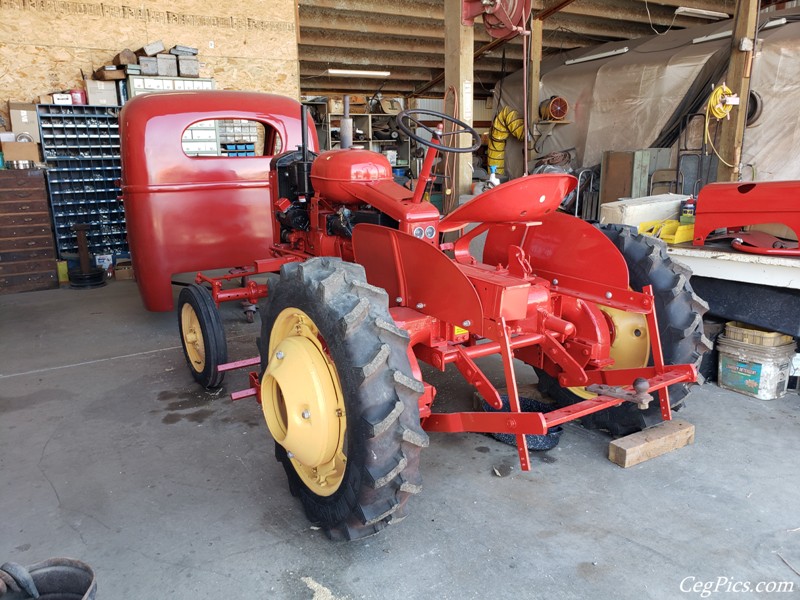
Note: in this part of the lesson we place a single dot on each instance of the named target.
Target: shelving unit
(81, 149)
(367, 125)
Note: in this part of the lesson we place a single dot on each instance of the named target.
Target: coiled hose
(507, 122)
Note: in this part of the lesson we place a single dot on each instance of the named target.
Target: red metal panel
(501, 295)
(520, 200)
(563, 245)
(185, 213)
(721, 205)
(419, 274)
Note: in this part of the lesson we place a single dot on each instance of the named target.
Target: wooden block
(126, 57)
(655, 441)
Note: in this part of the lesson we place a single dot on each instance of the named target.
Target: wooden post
(534, 73)
(738, 80)
(458, 49)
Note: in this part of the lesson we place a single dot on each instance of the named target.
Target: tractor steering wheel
(407, 120)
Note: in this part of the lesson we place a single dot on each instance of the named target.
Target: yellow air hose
(507, 122)
(718, 108)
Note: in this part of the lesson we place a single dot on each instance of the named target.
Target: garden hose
(718, 108)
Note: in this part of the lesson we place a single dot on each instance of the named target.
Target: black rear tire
(202, 335)
(383, 436)
(679, 312)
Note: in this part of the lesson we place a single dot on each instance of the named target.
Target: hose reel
(502, 18)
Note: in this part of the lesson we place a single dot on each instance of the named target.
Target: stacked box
(188, 66)
(167, 65)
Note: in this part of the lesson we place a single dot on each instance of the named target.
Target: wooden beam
(458, 67)
(654, 441)
(738, 80)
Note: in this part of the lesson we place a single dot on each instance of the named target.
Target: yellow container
(62, 270)
(671, 231)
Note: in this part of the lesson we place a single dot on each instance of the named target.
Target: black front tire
(679, 312)
(202, 335)
(383, 436)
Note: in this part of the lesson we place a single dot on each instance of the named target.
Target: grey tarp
(624, 102)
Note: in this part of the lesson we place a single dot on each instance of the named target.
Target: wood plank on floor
(657, 440)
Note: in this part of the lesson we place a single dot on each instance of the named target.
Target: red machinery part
(185, 213)
(736, 205)
(502, 18)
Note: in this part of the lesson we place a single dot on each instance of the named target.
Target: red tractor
(367, 289)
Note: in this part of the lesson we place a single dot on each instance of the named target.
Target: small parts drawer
(26, 243)
(21, 231)
(24, 219)
(24, 282)
(16, 206)
(28, 266)
(15, 180)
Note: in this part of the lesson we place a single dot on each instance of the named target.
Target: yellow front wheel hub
(303, 403)
(630, 347)
(193, 338)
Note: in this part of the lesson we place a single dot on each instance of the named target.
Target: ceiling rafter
(407, 38)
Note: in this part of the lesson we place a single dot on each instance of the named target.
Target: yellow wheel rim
(193, 338)
(631, 346)
(303, 404)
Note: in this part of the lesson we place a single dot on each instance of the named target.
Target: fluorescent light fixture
(575, 61)
(774, 23)
(712, 37)
(358, 73)
(712, 15)
(729, 33)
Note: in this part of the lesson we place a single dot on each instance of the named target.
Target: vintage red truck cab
(182, 211)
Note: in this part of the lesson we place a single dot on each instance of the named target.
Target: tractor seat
(522, 200)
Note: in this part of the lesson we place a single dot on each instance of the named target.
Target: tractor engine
(316, 200)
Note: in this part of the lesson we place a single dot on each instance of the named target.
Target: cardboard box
(188, 66)
(101, 93)
(632, 211)
(335, 106)
(167, 65)
(20, 151)
(62, 99)
(151, 49)
(123, 270)
(24, 119)
(149, 65)
(46, 99)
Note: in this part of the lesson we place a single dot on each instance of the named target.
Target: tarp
(631, 100)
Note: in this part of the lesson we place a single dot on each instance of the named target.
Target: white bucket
(758, 371)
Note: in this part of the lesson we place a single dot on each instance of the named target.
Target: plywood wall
(244, 45)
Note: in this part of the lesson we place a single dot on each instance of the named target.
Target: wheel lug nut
(306, 414)
(279, 355)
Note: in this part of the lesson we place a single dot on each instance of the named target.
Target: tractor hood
(334, 168)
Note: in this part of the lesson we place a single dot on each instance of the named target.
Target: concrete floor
(111, 454)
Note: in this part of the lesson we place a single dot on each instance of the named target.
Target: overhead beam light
(700, 13)
(729, 33)
(358, 73)
(575, 61)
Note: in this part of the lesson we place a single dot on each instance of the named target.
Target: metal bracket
(640, 398)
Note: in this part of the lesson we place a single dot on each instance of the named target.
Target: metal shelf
(81, 187)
